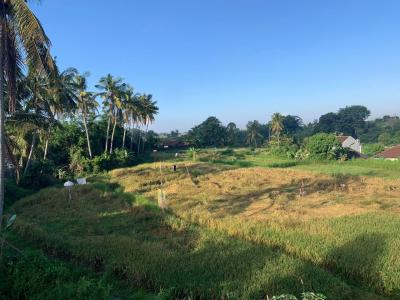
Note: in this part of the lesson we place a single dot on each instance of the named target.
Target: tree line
(281, 129)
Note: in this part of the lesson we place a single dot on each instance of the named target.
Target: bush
(34, 276)
(40, 174)
(373, 149)
(81, 165)
(283, 148)
(14, 192)
(324, 146)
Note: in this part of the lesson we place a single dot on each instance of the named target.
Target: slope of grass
(127, 235)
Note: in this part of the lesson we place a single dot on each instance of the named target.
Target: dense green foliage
(324, 146)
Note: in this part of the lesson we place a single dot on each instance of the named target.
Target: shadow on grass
(233, 204)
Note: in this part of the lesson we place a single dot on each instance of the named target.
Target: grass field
(231, 232)
(244, 157)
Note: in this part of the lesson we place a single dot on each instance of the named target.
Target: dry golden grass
(345, 224)
(260, 193)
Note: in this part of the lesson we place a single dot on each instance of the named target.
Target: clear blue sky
(238, 60)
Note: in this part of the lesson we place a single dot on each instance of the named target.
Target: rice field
(228, 232)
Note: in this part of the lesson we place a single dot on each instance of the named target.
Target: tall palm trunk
(131, 145)
(123, 137)
(108, 133)
(28, 162)
(112, 135)
(86, 128)
(139, 139)
(2, 117)
(145, 136)
(87, 135)
(46, 145)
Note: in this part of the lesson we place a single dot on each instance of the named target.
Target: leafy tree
(292, 124)
(209, 133)
(328, 123)
(351, 119)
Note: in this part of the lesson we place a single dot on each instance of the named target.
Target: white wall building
(350, 142)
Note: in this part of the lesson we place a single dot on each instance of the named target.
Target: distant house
(392, 153)
(9, 171)
(350, 143)
(174, 143)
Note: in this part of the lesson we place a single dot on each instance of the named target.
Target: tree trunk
(108, 133)
(145, 136)
(123, 137)
(87, 135)
(139, 138)
(112, 136)
(131, 146)
(46, 146)
(2, 120)
(28, 162)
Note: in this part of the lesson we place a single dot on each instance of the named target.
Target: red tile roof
(342, 138)
(393, 152)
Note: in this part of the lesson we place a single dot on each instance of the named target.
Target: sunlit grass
(160, 251)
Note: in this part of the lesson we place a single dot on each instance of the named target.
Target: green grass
(162, 252)
(33, 274)
(243, 157)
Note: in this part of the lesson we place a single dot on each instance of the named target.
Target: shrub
(324, 146)
(81, 165)
(372, 149)
(40, 174)
(34, 276)
(283, 148)
(14, 192)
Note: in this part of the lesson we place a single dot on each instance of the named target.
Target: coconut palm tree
(111, 93)
(277, 125)
(253, 133)
(128, 109)
(61, 98)
(149, 111)
(86, 103)
(22, 39)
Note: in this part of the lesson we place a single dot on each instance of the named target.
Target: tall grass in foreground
(160, 251)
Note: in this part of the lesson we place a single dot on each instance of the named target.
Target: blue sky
(238, 60)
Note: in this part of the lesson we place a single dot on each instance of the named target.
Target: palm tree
(231, 131)
(253, 134)
(276, 125)
(22, 39)
(149, 110)
(128, 109)
(61, 98)
(86, 104)
(111, 91)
